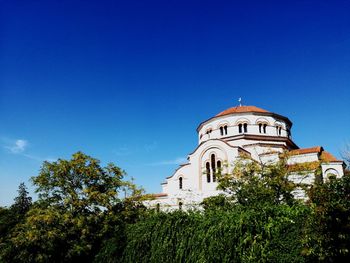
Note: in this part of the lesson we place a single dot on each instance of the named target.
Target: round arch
(242, 120)
(262, 121)
(331, 172)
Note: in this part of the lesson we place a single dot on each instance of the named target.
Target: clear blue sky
(129, 81)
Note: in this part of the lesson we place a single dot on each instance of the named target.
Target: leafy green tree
(252, 183)
(73, 213)
(218, 202)
(120, 217)
(79, 185)
(328, 236)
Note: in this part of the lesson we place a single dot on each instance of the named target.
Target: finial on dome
(240, 102)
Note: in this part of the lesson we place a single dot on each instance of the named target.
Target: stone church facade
(223, 139)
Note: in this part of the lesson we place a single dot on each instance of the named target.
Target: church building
(223, 139)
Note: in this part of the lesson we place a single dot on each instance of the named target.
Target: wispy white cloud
(38, 158)
(18, 146)
(177, 161)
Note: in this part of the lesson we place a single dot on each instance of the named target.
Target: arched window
(180, 183)
(245, 127)
(180, 205)
(158, 207)
(278, 130)
(221, 130)
(240, 128)
(262, 127)
(219, 167)
(213, 167)
(225, 129)
(207, 166)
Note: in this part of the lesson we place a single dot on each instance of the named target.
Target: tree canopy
(74, 211)
(88, 212)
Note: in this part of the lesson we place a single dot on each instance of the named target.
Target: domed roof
(246, 109)
(240, 109)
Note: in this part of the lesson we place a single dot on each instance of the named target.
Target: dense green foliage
(89, 213)
(74, 213)
(253, 184)
(271, 234)
(328, 239)
(10, 217)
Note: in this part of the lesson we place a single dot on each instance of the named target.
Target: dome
(241, 109)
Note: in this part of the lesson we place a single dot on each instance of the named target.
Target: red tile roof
(240, 109)
(315, 149)
(328, 157)
(325, 156)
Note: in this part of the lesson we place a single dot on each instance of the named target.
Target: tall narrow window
(260, 127)
(221, 130)
(225, 129)
(213, 167)
(264, 127)
(207, 166)
(240, 128)
(158, 207)
(180, 183)
(219, 167)
(278, 130)
(245, 127)
(180, 205)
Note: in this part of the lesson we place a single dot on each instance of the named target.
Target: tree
(252, 183)
(22, 201)
(73, 214)
(7, 221)
(79, 185)
(10, 217)
(328, 236)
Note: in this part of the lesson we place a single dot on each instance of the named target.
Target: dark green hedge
(270, 234)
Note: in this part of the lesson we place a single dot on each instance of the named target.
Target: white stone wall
(332, 168)
(232, 122)
(303, 158)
